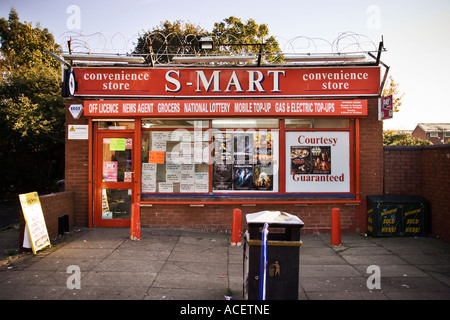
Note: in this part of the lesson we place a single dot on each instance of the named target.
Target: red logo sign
(227, 82)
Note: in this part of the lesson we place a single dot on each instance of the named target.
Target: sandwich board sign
(35, 227)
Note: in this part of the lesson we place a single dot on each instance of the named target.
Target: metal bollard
(263, 263)
(335, 227)
(135, 224)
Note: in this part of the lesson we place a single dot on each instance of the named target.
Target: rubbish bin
(283, 255)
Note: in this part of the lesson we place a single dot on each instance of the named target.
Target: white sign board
(317, 162)
(78, 132)
(34, 221)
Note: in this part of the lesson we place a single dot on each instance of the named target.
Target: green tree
(31, 105)
(169, 39)
(231, 36)
(233, 31)
(399, 138)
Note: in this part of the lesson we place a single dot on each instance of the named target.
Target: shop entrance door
(113, 182)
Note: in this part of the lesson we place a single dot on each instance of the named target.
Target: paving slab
(173, 264)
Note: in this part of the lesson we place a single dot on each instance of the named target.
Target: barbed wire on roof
(163, 47)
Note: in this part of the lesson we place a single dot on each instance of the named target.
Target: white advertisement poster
(317, 162)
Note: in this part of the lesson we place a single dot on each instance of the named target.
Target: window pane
(117, 162)
(116, 125)
(245, 161)
(175, 161)
(317, 123)
(244, 123)
(116, 204)
(179, 123)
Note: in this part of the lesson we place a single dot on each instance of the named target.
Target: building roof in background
(434, 127)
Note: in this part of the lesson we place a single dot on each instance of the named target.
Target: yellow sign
(34, 220)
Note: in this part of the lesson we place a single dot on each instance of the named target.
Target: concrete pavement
(196, 265)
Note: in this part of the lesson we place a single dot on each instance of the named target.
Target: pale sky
(416, 34)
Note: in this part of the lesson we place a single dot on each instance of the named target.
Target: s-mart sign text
(227, 82)
(226, 107)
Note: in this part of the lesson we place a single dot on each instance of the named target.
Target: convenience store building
(190, 144)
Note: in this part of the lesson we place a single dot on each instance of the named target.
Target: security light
(206, 43)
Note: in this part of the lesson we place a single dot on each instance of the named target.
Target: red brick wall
(77, 168)
(317, 218)
(403, 170)
(371, 162)
(423, 171)
(53, 205)
(436, 187)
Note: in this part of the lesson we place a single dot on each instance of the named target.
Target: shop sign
(227, 82)
(317, 162)
(35, 228)
(385, 108)
(78, 132)
(229, 108)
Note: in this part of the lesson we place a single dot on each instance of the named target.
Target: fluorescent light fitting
(109, 58)
(312, 58)
(211, 59)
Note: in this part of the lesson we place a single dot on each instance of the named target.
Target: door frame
(98, 184)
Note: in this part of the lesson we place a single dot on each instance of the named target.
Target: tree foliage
(232, 31)
(32, 111)
(231, 36)
(399, 138)
(168, 39)
(31, 105)
(393, 89)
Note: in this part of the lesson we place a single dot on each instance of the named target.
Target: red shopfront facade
(191, 144)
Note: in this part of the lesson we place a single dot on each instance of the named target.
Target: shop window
(183, 123)
(245, 160)
(175, 161)
(316, 123)
(244, 123)
(115, 125)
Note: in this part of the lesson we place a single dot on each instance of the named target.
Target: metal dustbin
(283, 255)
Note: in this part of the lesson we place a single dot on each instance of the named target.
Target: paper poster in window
(242, 177)
(222, 177)
(263, 177)
(110, 169)
(321, 160)
(300, 159)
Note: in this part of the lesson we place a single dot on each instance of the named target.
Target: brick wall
(77, 168)
(423, 171)
(317, 218)
(53, 205)
(403, 170)
(371, 162)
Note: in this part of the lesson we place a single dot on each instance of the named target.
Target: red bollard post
(236, 233)
(135, 225)
(335, 227)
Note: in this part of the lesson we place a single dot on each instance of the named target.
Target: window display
(175, 161)
(245, 160)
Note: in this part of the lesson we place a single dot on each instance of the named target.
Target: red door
(113, 179)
